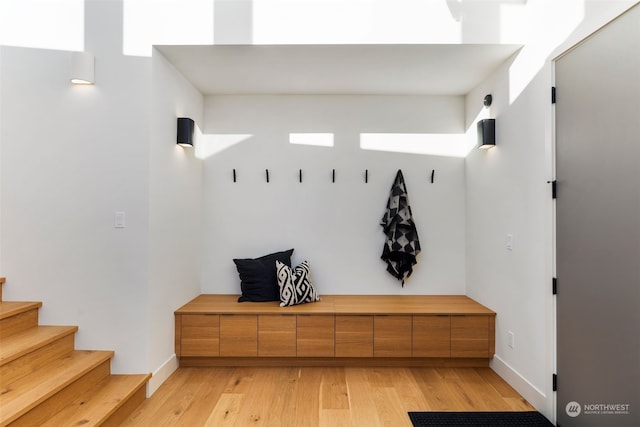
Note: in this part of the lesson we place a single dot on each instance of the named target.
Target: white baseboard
(161, 374)
(531, 393)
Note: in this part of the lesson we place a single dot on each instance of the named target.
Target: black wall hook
(366, 176)
(333, 176)
(433, 175)
(234, 175)
(267, 173)
(300, 175)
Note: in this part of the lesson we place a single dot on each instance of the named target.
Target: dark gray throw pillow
(258, 279)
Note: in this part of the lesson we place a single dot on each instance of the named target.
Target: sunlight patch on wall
(515, 27)
(353, 21)
(443, 144)
(311, 21)
(317, 139)
(532, 58)
(149, 22)
(417, 21)
(208, 145)
(42, 24)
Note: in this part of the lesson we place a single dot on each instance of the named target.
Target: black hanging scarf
(402, 245)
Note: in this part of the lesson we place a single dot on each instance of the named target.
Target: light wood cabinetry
(276, 335)
(200, 335)
(238, 335)
(392, 336)
(316, 337)
(450, 330)
(354, 336)
(470, 336)
(431, 336)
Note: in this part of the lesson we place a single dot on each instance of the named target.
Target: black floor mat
(479, 419)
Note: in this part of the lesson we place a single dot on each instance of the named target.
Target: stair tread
(11, 308)
(96, 407)
(31, 339)
(20, 396)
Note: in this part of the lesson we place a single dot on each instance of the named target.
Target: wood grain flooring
(317, 396)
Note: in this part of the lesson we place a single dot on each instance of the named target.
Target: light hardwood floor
(300, 397)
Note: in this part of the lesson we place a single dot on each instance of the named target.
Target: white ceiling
(338, 69)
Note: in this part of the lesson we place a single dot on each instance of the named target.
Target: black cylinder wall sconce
(185, 132)
(486, 133)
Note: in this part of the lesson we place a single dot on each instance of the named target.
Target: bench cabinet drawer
(354, 336)
(316, 336)
(431, 336)
(276, 335)
(238, 335)
(470, 336)
(391, 336)
(200, 335)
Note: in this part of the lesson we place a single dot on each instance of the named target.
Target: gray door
(598, 228)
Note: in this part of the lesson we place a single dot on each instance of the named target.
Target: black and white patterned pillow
(295, 284)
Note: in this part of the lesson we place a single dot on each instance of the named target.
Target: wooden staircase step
(108, 404)
(45, 382)
(32, 339)
(17, 316)
(13, 308)
(27, 400)
(29, 350)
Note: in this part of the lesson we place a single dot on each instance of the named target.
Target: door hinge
(554, 189)
(554, 286)
(554, 382)
(553, 94)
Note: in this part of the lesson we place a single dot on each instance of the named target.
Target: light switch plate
(511, 339)
(119, 220)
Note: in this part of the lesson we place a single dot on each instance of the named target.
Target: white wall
(507, 193)
(336, 226)
(72, 156)
(175, 211)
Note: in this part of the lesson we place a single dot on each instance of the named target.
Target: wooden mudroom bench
(339, 330)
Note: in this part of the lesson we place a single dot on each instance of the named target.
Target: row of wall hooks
(333, 175)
